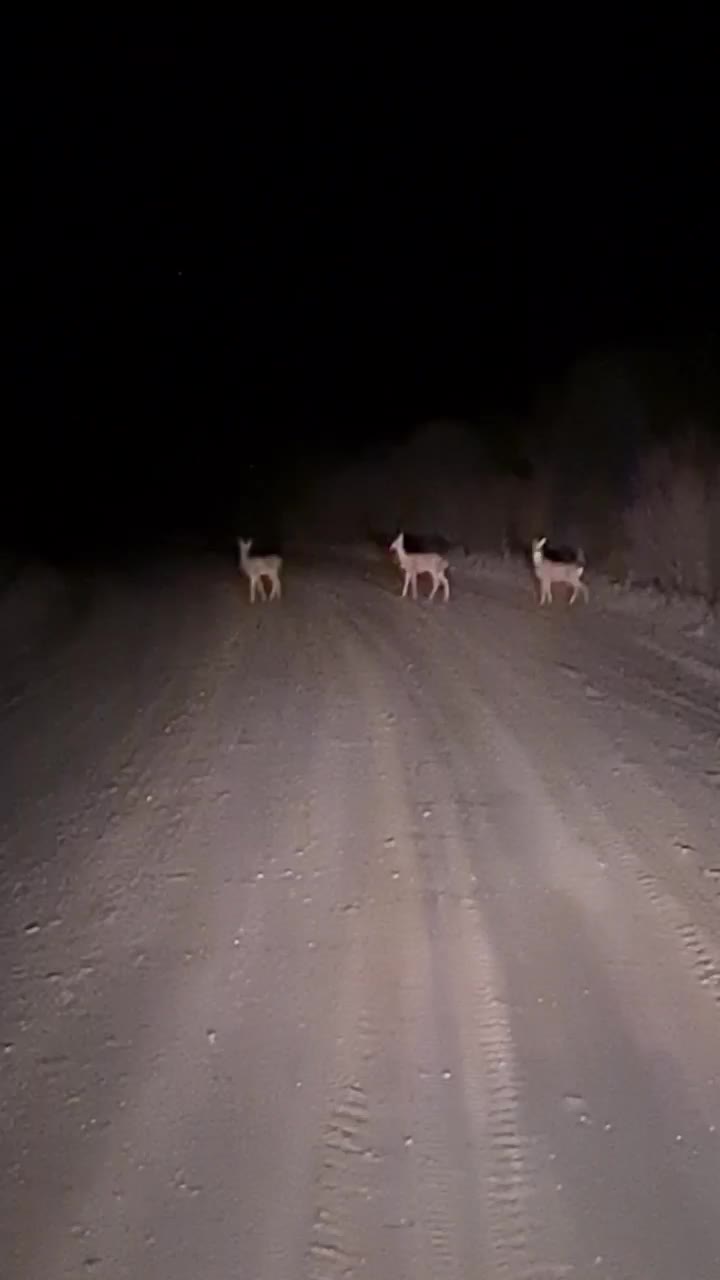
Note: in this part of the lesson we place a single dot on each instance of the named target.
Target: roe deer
(548, 572)
(256, 568)
(415, 563)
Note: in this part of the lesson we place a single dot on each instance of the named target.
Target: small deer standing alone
(257, 568)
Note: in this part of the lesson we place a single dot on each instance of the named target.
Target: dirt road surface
(356, 937)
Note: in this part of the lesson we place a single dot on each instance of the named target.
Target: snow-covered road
(355, 937)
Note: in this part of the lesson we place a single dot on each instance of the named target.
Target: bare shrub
(670, 517)
(714, 534)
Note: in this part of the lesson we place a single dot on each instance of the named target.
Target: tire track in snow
(388, 1186)
(468, 1008)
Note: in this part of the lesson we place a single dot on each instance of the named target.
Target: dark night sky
(225, 233)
